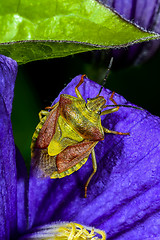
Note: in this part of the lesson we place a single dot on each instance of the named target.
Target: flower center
(65, 231)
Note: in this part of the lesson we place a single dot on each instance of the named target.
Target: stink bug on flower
(68, 133)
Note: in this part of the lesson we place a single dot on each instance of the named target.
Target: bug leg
(115, 109)
(76, 88)
(111, 99)
(111, 110)
(43, 113)
(52, 107)
(114, 132)
(94, 163)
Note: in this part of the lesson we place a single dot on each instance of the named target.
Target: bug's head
(96, 104)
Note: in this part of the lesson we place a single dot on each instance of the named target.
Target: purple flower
(8, 179)
(123, 196)
(145, 14)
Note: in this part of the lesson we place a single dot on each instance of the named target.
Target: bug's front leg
(94, 163)
(115, 109)
(76, 88)
(111, 110)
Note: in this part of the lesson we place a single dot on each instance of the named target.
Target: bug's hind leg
(76, 88)
(94, 163)
(114, 132)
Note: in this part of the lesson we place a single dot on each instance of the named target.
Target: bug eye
(99, 112)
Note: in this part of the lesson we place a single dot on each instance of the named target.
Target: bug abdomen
(43, 164)
(67, 172)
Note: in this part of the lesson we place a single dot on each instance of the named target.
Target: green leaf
(32, 30)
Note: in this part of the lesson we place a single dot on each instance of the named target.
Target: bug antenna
(122, 105)
(106, 76)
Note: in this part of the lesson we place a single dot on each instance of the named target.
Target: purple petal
(123, 196)
(22, 191)
(140, 12)
(8, 198)
(8, 73)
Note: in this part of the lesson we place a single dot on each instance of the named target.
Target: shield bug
(68, 133)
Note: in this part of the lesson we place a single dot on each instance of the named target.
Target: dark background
(38, 84)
